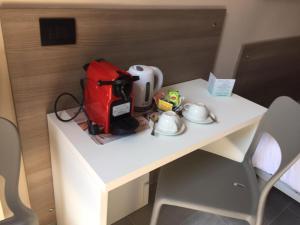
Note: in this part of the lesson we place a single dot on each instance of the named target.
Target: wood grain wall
(183, 43)
(269, 69)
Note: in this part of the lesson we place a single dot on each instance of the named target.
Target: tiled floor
(280, 210)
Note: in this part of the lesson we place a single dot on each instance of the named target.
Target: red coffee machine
(108, 100)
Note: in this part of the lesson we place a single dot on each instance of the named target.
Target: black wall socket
(57, 31)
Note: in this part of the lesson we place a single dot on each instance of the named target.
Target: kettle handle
(159, 78)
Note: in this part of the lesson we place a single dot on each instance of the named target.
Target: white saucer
(207, 121)
(180, 131)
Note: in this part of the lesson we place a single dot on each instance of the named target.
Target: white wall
(275, 19)
(252, 21)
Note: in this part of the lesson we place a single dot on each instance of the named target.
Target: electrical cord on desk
(75, 99)
(94, 129)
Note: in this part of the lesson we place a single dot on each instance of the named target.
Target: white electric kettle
(151, 80)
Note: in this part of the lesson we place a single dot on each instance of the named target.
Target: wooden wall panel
(183, 43)
(269, 69)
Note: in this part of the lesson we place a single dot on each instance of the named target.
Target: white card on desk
(220, 87)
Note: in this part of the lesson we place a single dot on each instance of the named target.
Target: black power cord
(75, 99)
(93, 129)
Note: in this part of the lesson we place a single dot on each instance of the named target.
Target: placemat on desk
(102, 139)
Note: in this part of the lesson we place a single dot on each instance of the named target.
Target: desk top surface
(125, 159)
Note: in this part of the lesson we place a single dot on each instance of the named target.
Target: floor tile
(295, 208)
(172, 215)
(141, 216)
(124, 221)
(280, 210)
(287, 218)
(277, 202)
(200, 218)
(231, 221)
(169, 215)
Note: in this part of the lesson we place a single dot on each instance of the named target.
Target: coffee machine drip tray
(126, 125)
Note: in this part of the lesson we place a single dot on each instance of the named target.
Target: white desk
(85, 173)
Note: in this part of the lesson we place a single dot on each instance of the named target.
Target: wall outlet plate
(57, 31)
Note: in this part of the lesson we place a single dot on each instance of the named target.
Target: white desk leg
(80, 198)
(127, 198)
(104, 208)
(235, 145)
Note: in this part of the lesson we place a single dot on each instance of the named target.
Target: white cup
(169, 122)
(196, 111)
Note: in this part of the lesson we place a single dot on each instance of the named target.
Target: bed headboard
(269, 69)
(183, 43)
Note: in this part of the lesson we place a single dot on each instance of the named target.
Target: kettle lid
(140, 69)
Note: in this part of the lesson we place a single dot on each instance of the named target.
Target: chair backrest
(282, 122)
(10, 157)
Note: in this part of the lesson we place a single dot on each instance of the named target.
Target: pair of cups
(170, 123)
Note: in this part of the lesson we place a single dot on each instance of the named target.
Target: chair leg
(155, 213)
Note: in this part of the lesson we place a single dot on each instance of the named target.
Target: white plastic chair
(210, 183)
(10, 157)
